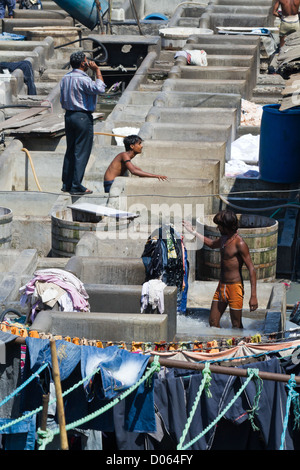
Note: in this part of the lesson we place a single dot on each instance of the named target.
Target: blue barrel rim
(156, 16)
(274, 108)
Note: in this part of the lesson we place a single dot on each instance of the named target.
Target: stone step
(150, 86)
(213, 72)
(208, 86)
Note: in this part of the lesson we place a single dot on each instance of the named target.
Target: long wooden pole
(44, 412)
(59, 399)
(236, 371)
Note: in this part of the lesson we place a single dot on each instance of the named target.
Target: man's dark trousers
(79, 128)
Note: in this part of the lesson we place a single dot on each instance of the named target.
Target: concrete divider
(167, 201)
(239, 20)
(169, 98)
(194, 116)
(126, 327)
(131, 247)
(109, 319)
(40, 14)
(186, 168)
(108, 270)
(208, 86)
(221, 45)
(11, 282)
(22, 25)
(242, 2)
(185, 150)
(17, 46)
(276, 312)
(189, 132)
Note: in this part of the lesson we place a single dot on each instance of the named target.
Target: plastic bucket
(279, 151)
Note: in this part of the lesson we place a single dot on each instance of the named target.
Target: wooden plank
(48, 124)
(18, 118)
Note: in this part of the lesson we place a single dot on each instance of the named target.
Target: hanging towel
(153, 295)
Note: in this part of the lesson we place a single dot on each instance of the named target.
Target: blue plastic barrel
(279, 150)
(156, 17)
(84, 11)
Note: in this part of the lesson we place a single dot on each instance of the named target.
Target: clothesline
(239, 372)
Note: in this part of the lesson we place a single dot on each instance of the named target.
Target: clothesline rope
(45, 437)
(23, 385)
(251, 373)
(29, 414)
(293, 398)
(205, 383)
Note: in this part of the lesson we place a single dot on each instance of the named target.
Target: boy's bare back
(289, 7)
(117, 167)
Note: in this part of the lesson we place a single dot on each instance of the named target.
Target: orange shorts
(231, 294)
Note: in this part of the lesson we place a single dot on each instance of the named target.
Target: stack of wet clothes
(54, 288)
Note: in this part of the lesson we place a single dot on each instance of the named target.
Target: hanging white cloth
(153, 294)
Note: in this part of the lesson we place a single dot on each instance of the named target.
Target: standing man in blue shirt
(78, 96)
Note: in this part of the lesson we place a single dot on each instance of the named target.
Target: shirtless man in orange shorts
(289, 17)
(234, 253)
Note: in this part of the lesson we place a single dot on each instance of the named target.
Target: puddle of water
(194, 325)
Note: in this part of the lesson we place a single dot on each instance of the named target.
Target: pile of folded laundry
(54, 289)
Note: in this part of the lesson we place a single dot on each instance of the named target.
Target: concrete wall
(109, 320)
(107, 270)
(276, 313)
(104, 326)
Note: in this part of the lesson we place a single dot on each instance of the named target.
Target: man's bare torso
(289, 7)
(231, 261)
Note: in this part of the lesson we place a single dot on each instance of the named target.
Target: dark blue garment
(118, 368)
(68, 355)
(19, 436)
(107, 185)
(27, 70)
(181, 387)
(118, 371)
(79, 127)
(38, 352)
(183, 302)
(77, 362)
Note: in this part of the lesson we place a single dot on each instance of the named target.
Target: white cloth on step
(153, 294)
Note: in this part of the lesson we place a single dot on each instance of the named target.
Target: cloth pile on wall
(26, 67)
(165, 259)
(193, 57)
(54, 287)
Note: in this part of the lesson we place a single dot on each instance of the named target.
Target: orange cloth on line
(231, 294)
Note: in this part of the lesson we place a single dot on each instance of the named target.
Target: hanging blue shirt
(78, 92)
